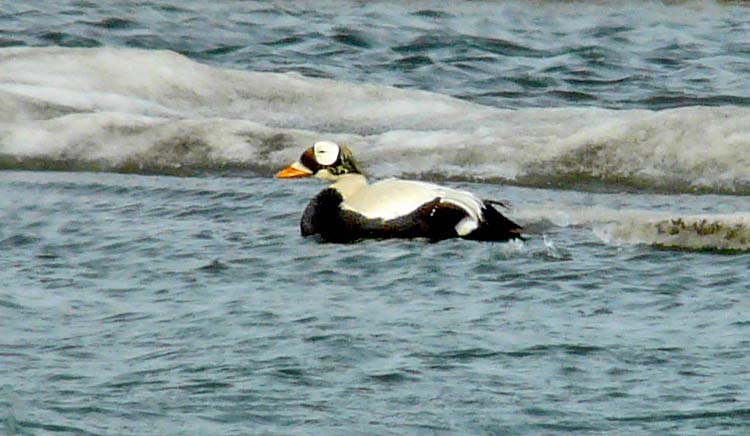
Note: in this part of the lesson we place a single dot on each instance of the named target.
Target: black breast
(322, 215)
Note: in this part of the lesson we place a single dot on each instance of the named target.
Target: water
(153, 280)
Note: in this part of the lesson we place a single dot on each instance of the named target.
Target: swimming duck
(351, 209)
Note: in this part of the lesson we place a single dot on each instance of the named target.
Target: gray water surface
(164, 305)
(149, 304)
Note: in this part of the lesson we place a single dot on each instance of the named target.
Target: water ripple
(173, 305)
(547, 41)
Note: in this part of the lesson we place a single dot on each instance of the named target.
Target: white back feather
(393, 198)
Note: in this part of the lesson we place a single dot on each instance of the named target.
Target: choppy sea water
(169, 305)
(152, 279)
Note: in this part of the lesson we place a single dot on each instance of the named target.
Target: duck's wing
(393, 198)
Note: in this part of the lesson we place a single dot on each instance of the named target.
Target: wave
(670, 230)
(716, 233)
(114, 109)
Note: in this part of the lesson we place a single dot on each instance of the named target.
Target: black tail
(495, 226)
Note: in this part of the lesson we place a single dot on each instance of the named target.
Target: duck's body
(351, 209)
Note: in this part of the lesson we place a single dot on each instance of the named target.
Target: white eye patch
(326, 152)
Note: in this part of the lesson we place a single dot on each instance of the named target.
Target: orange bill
(293, 172)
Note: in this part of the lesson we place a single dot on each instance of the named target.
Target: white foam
(113, 104)
(690, 232)
(668, 229)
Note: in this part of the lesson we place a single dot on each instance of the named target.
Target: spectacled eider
(351, 209)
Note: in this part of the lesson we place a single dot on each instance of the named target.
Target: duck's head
(325, 160)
